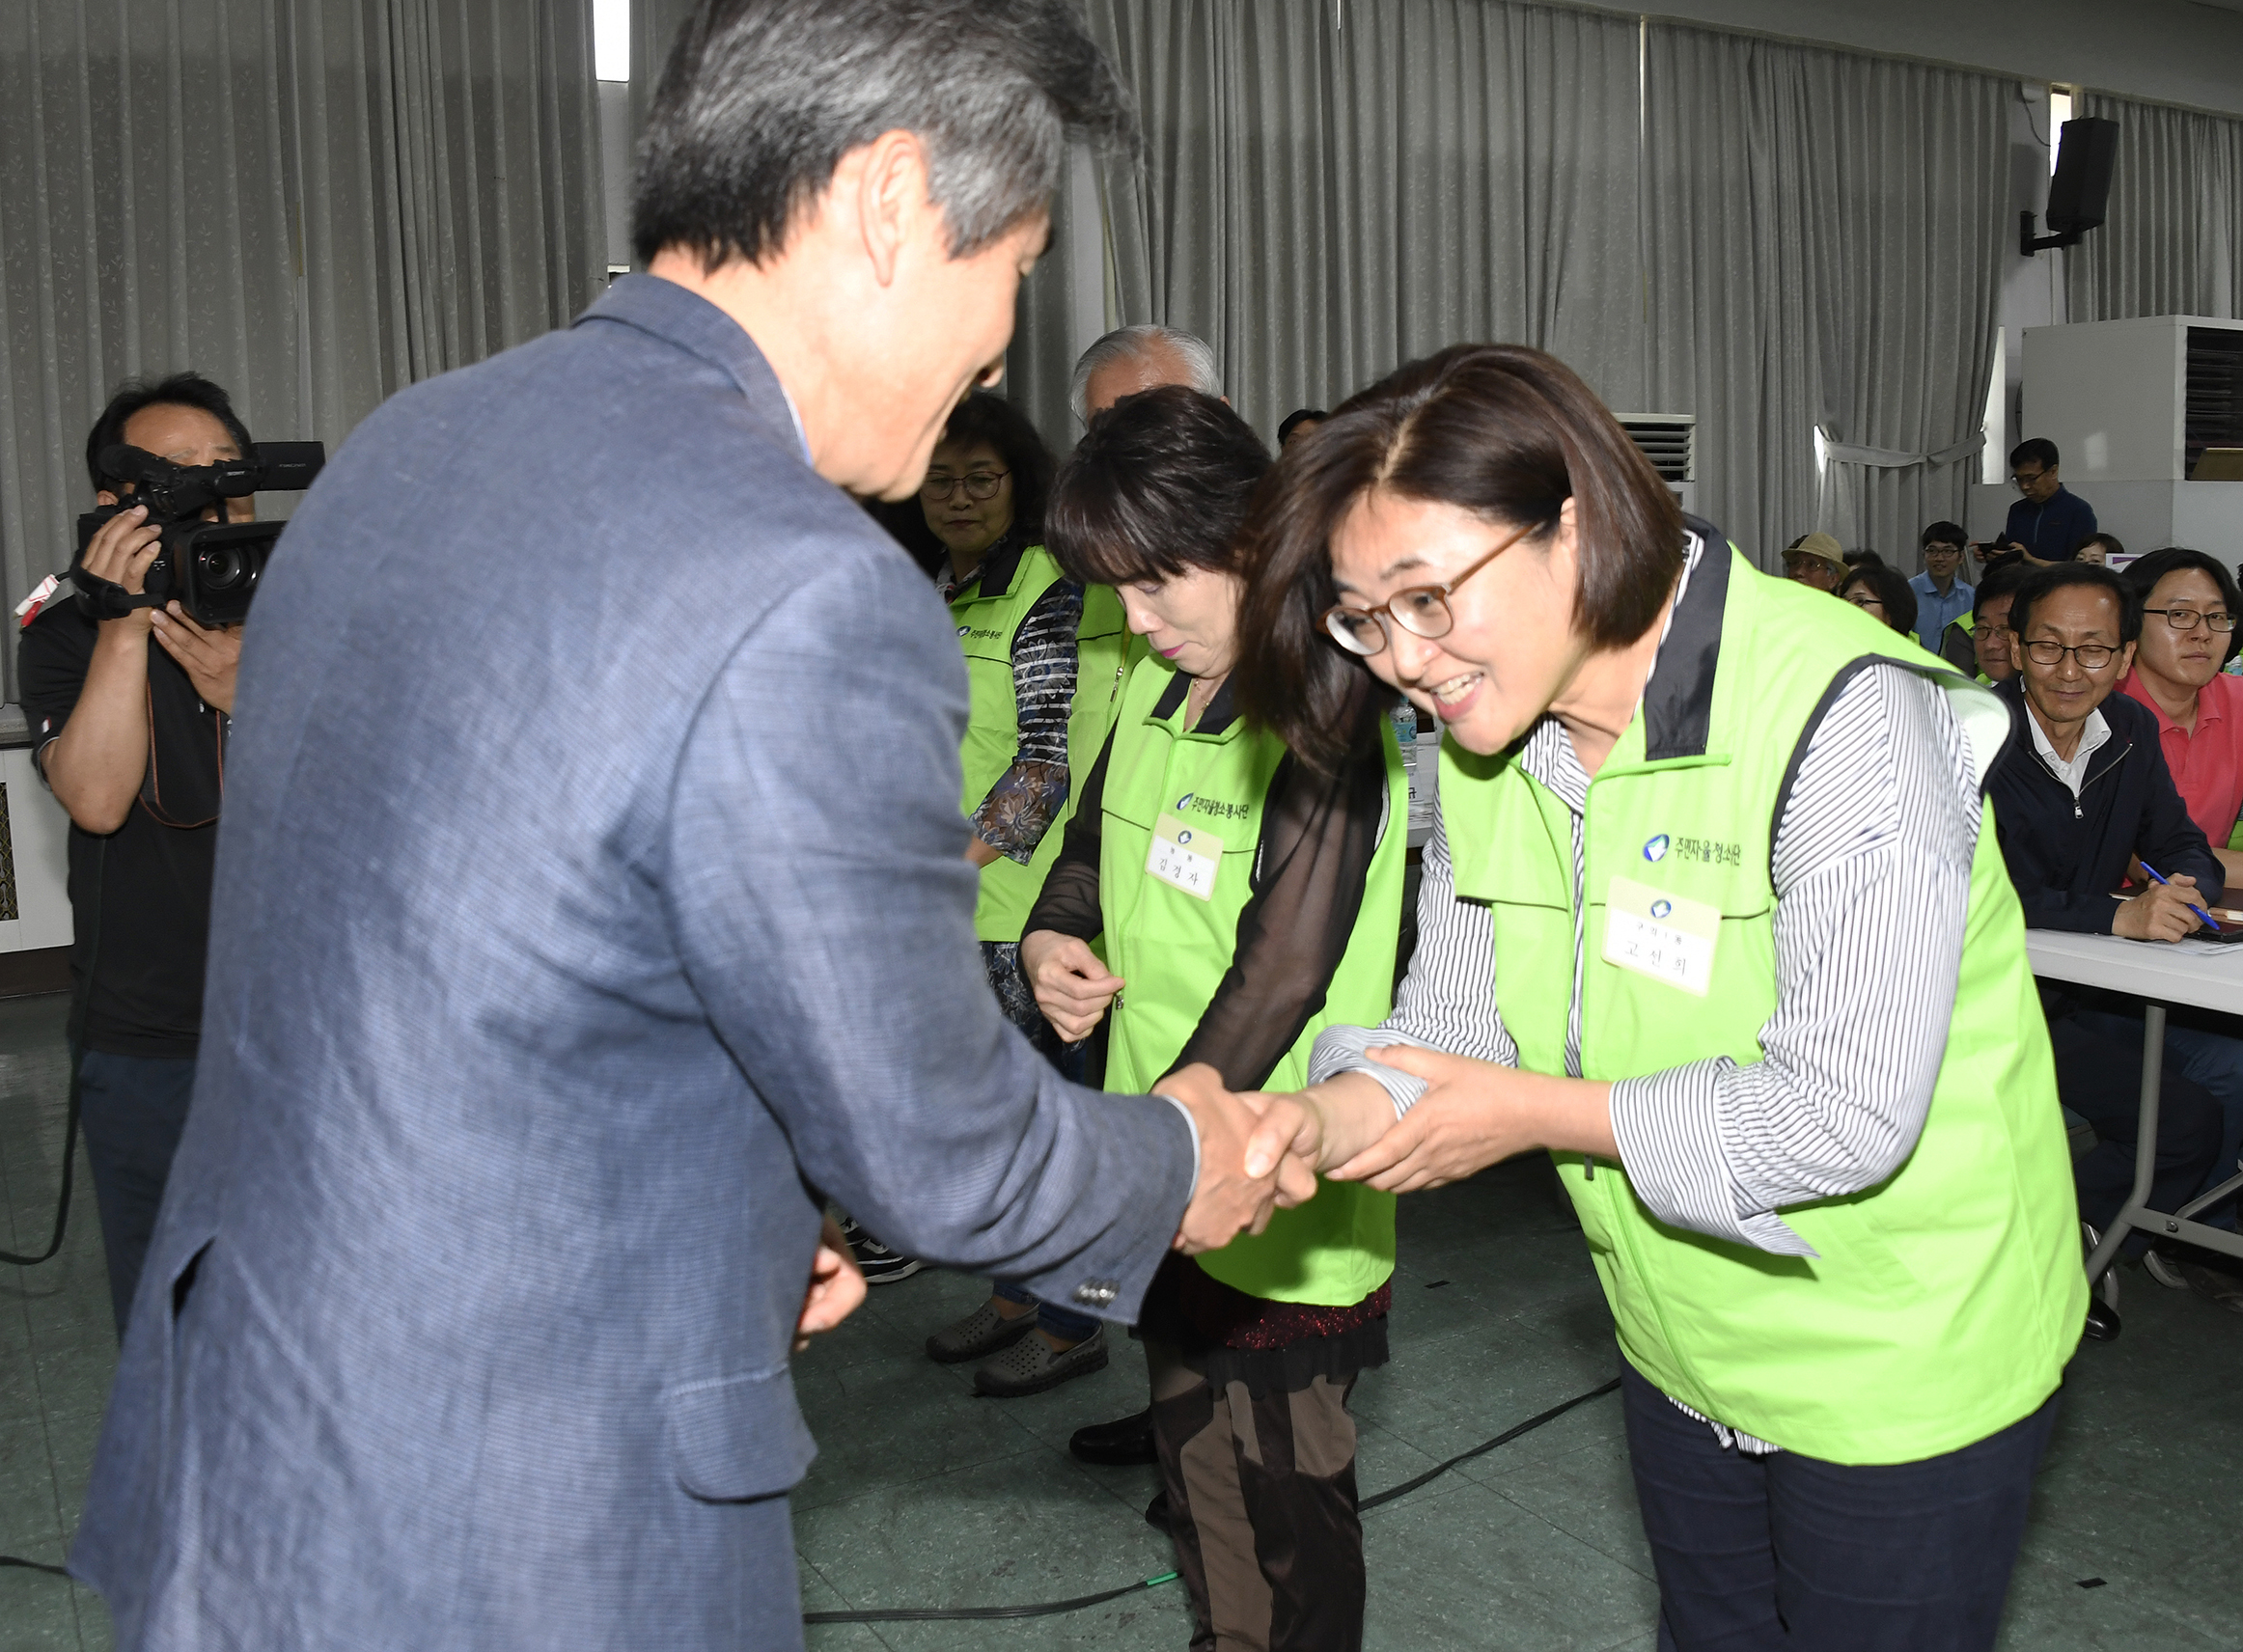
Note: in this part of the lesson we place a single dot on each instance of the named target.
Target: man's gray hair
(761, 98)
(1124, 343)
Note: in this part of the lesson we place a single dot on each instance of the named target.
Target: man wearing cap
(1817, 560)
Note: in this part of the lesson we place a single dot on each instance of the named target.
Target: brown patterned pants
(1261, 1504)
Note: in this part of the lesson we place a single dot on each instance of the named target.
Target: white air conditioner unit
(1669, 441)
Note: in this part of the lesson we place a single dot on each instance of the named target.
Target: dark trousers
(1789, 1551)
(2098, 1075)
(1262, 1505)
(132, 1108)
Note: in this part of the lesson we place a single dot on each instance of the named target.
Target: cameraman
(132, 718)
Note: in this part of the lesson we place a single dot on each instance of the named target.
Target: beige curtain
(314, 202)
(2174, 243)
(1331, 190)
(1824, 237)
(1780, 241)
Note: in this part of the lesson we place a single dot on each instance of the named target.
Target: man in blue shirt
(1941, 598)
(2049, 522)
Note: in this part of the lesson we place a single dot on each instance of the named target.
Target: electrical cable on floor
(32, 1565)
(1081, 1603)
(1050, 1608)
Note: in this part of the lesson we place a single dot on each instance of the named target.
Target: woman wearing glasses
(1241, 901)
(2190, 604)
(1043, 667)
(1884, 594)
(1713, 916)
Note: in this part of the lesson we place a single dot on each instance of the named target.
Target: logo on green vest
(1660, 908)
(1656, 848)
(963, 629)
(1192, 800)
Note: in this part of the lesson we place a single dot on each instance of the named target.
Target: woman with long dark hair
(1713, 916)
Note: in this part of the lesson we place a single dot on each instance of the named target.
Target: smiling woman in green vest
(1715, 915)
(1218, 901)
(1044, 656)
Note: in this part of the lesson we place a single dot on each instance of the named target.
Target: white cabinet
(2130, 406)
(34, 856)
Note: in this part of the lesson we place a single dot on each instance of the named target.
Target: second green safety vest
(988, 620)
(1192, 804)
(1942, 1303)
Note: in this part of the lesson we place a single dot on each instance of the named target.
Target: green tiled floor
(926, 1496)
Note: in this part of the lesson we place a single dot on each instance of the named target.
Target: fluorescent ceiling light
(611, 40)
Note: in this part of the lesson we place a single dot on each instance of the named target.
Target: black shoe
(2102, 1321)
(1156, 1512)
(1116, 1445)
(880, 1265)
(981, 1333)
(1032, 1364)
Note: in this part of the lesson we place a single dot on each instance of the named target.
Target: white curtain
(1777, 240)
(1331, 190)
(314, 202)
(1825, 234)
(2174, 243)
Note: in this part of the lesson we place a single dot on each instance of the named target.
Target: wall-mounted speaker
(2079, 195)
(2079, 192)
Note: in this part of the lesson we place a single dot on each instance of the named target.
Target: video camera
(212, 568)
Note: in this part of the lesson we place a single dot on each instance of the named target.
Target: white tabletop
(2205, 973)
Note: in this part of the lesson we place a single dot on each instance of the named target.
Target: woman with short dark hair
(1708, 915)
(1882, 592)
(1247, 899)
(2190, 611)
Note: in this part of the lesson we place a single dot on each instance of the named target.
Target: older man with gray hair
(1141, 357)
(554, 974)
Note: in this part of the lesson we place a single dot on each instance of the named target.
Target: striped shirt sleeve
(1872, 861)
(1447, 1002)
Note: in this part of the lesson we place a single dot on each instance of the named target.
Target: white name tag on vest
(1661, 935)
(1185, 855)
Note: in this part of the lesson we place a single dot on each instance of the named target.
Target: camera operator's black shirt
(154, 897)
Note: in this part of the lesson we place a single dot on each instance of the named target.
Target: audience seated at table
(2080, 794)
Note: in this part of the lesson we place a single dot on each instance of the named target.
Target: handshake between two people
(1261, 1152)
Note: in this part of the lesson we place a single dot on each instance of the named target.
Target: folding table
(2205, 974)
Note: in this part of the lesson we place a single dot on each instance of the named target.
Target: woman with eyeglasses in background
(1882, 592)
(1714, 916)
(1043, 664)
(2190, 604)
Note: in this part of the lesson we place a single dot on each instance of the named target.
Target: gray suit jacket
(591, 885)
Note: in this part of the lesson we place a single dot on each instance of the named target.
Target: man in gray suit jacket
(593, 889)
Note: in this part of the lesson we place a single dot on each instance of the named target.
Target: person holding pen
(1713, 913)
(1241, 901)
(2082, 795)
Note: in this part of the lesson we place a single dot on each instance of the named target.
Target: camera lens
(224, 569)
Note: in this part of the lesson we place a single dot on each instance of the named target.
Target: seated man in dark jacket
(2081, 793)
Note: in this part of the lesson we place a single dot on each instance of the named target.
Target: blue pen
(2192, 907)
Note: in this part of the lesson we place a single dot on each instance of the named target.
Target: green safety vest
(1943, 1302)
(987, 623)
(1171, 947)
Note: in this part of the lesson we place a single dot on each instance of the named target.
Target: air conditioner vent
(1669, 440)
